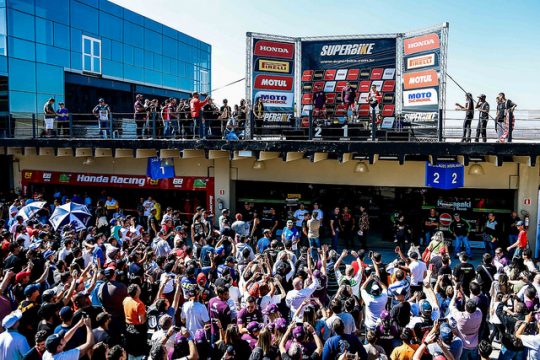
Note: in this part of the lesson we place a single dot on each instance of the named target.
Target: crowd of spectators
(152, 287)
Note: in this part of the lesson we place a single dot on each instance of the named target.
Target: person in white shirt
(353, 279)
(416, 267)
(375, 300)
(531, 342)
(316, 209)
(240, 226)
(194, 314)
(299, 216)
(148, 205)
(348, 320)
(298, 294)
(65, 250)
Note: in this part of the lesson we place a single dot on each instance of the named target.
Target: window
(205, 82)
(91, 55)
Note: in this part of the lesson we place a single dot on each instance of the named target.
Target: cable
(466, 92)
(227, 85)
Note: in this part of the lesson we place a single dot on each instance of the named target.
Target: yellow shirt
(157, 206)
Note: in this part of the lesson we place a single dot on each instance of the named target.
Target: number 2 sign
(445, 175)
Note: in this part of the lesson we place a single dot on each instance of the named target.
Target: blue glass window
(56, 56)
(133, 17)
(57, 10)
(170, 47)
(84, 17)
(50, 79)
(158, 62)
(22, 101)
(44, 31)
(129, 57)
(21, 25)
(22, 49)
(22, 75)
(23, 5)
(138, 56)
(148, 60)
(91, 56)
(110, 26)
(61, 36)
(153, 41)
(133, 34)
(111, 8)
(117, 53)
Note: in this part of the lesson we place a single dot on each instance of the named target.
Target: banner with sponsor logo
(329, 65)
(271, 74)
(422, 72)
(188, 183)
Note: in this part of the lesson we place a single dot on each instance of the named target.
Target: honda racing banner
(328, 66)
(422, 74)
(272, 79)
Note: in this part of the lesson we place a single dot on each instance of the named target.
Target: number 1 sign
(445, 176)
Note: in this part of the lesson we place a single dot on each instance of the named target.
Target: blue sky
(493, 45)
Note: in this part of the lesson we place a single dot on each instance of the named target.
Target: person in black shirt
(469, 114)
(36, 353)
(460, 229)
(153, 224)
(464, 273)
(335, 227)
(485, 273)
(431, 225)
(14, 260)
(512, 229)
(483, 117)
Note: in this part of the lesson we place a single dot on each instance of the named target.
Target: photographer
(532, 340)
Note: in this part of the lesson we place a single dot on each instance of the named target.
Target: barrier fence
(275, 126)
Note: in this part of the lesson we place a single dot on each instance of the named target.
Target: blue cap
(48, 253)
(425, 307)
(220, 250)
(446, 333)
(66, 312)
(30, 289)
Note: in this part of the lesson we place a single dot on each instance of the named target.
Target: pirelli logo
(274, 66)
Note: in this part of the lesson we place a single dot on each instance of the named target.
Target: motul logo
(274, 49)
(273, 82)
(420, 79)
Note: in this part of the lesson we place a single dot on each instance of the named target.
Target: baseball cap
(253, 327)
(200, 336)
(266, 231)
(281, 324)
(481, 96)
(519, 223)
(425, 307)
(375, 289)
(220, 250)
(270, 309)
(20, 276)
(66, 312)
(53, 341)
(224, 211)
(446, 333)
(108, 272)
(101, 100)
(231, 259)
(30, 289)
(298, 332)
(48, 253)
(201, 279)
(11, 318)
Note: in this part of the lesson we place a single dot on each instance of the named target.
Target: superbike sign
(274, 49)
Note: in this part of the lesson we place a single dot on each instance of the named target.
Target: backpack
(152, 319)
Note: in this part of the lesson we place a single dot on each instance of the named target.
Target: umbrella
(70, 213)
(28, 211)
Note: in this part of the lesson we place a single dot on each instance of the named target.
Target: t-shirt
(245, 317)
(418, 268)
(403, 352)
(219, 309)
(299, 216)
(195, 315)
(374, 306)
(464, 272)
(72, 354)
(522, 239)
(313, 228)
(332, 347)
(133, 309)
(532, 342)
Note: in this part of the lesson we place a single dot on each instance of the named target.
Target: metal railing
(277, 127)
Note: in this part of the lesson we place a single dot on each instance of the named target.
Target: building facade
(79, 50)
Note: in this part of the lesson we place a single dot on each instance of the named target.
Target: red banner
(274, 49)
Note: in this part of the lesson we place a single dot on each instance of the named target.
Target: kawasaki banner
(329, 64)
